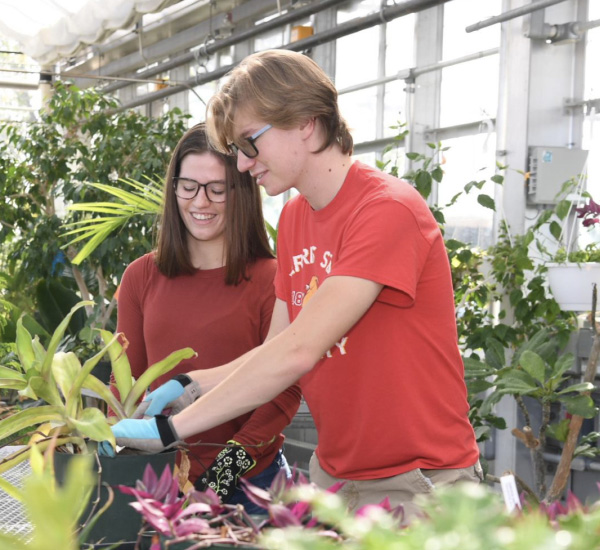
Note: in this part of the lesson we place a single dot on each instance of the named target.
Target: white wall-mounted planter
(572, 284)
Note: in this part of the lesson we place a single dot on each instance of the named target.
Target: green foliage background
(79, 138)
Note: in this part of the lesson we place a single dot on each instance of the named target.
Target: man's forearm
(209, 378)
(265, 373)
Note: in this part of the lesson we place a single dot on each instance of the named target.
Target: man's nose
(244, 163)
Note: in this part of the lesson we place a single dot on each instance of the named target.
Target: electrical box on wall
(549, 169)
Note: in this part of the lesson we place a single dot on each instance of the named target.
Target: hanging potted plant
(60, 380)
(573, 273)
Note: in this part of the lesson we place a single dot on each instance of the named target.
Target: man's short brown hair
(282, 88)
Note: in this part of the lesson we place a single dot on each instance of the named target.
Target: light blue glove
(151, 435)
(176, 394)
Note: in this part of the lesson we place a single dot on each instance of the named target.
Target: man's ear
(308, 127)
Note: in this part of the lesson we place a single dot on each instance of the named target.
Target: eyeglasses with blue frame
(249, 146)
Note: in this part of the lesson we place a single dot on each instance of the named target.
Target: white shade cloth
(50, 30)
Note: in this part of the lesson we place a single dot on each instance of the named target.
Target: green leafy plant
(467, 516)
(52, 510)
(590, 253)
(145, 199)
(59, 379)
(302, 516)
(539, 372)
(46, 164)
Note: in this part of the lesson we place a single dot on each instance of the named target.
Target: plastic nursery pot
(120, 522)
(572, 284)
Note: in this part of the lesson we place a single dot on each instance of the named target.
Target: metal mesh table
(12, 515)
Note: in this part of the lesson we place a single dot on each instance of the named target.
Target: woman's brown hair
(245, 234)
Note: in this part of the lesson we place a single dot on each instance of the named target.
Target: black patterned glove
(224, 473)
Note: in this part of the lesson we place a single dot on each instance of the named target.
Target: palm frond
(146, 199)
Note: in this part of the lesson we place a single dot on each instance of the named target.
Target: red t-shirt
(390, 395)
(220, 322)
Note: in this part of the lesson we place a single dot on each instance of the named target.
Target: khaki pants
(400, 489)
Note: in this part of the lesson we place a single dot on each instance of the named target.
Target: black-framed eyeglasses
(187, 188)
(248, 146)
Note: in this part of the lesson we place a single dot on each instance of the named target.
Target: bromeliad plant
(59, 379)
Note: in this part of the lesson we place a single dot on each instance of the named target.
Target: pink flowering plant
(558, 511)
(588, 214)
(300, 516)
(196, 516)
(199, 518)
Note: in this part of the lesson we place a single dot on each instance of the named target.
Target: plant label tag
(509, 492)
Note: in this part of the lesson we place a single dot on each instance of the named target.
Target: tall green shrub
(78, 138)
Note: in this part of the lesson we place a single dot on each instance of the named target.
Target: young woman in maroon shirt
(208, 285)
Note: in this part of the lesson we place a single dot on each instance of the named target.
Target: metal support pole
(212, 47)
(517, 12)
(352, 26)
(409, 74)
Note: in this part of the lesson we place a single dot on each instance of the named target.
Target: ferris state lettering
(309, 256)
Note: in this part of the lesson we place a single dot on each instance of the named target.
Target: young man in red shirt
(364, 316)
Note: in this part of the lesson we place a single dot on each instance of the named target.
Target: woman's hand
(175, 395)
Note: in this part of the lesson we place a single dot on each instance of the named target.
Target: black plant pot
(120, 522)
(102, 371)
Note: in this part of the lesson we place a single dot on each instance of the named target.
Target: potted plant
(60, 380)
(573, 273)
(299, 515)
(571, 281)
(199, 520)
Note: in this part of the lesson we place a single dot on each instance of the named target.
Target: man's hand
(176, 394)
(151, 435)
(224, 473)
